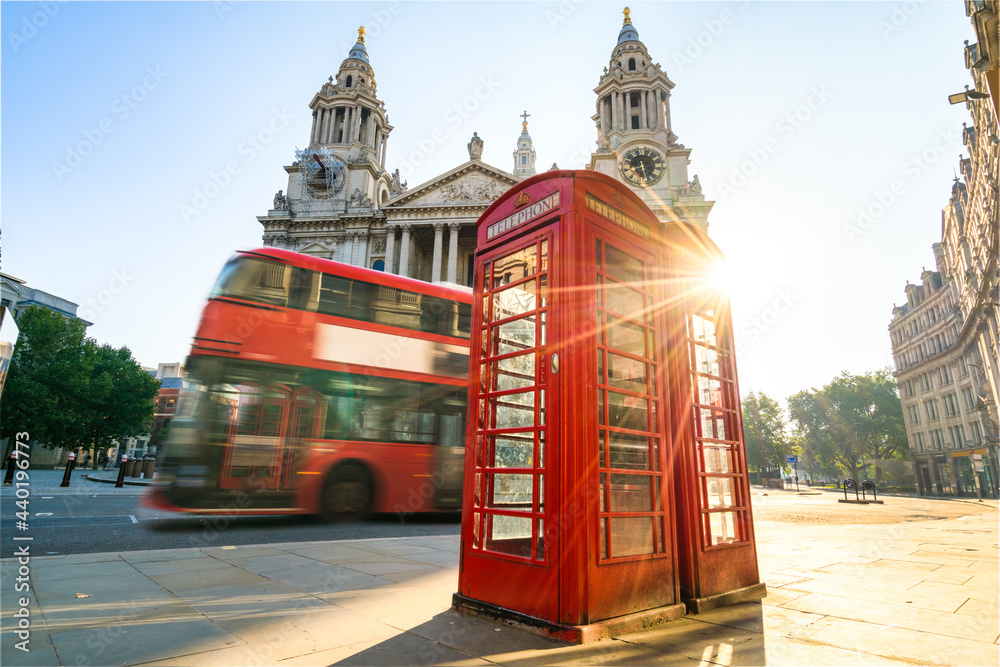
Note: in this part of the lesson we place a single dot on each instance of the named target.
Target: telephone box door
(633, 564)
(507, 538)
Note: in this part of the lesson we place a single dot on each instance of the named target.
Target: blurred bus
(322, 388)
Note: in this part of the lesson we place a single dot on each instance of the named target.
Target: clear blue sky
(116, 115)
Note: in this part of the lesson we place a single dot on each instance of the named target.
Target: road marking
(134, 520)
(43, 513)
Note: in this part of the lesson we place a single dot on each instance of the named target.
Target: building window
(378, 265)
(977, 433)
(350, 80)
(950, 406)
(631, 64)
(914, 414)
(970, 402)
(524, 159)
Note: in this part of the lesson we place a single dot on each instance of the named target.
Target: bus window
(334, 295)
(254, 279)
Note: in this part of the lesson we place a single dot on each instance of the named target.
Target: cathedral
(343, 203)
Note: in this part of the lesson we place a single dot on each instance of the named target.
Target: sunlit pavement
(916, 592)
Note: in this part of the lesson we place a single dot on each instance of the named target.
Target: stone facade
(342, 203)
(945, 338)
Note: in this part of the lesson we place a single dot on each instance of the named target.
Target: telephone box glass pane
(513, 410)
(719, 491)
(722, 528)
(718, 459)
(514, 372)
(631, 536)
(514, 451)
(631, 493)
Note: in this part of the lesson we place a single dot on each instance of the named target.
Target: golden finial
(361, 34)
(626, 13)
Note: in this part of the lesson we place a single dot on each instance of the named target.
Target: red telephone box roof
(547, 194)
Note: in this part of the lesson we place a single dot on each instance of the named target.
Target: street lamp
(967, 95)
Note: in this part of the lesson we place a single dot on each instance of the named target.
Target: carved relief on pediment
(471, 190)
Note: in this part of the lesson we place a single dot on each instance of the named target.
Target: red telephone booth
(591, 472)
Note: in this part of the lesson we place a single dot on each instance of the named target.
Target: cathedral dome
(628, 32)
(358, 51)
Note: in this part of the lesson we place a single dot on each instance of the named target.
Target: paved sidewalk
(922, 592)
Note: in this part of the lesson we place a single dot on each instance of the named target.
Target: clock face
(642, 166)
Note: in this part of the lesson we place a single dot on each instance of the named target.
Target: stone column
(314, 136)
(453, 252)
(390, 248)
(347, 124)
(614, 111)
(436, 265)
(356, 122)
(643, 111)
(404, 251)
(361, 244)
(348, 248)
(385, 140)
(321, 121)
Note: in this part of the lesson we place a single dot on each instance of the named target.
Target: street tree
(47, 380)
(852, 419)
(120, 396)
(764, 434)
(68, 391)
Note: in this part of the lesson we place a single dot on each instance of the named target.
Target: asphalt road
(89, 523)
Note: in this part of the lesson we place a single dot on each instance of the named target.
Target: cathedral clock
(642, 166)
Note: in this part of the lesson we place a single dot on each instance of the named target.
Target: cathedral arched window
(350, 80)
(631, 64)
(378, 265)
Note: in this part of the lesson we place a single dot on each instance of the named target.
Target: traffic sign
(791, 458)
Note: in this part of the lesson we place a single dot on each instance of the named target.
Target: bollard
(69, 469)
(8, 479)
(147, 468)
(121, 473)
(135, 468)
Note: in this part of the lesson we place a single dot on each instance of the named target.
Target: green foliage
(855, 417)
(68, 391)
(764, 433)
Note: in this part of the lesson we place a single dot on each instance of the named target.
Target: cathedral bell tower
(350, 123)
(338, 182)
(635, 141)
(524, 156)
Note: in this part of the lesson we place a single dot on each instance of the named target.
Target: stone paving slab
(871, 594)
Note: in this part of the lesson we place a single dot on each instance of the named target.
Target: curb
(115, 481)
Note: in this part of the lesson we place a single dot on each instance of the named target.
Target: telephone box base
(746, 594)
(574, 634)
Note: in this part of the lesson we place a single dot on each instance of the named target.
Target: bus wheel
(347, 494)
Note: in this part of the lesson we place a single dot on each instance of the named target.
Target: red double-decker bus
(322, 388)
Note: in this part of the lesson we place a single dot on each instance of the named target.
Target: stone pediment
(471, 184)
